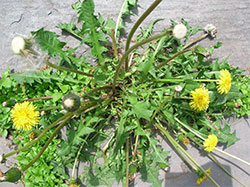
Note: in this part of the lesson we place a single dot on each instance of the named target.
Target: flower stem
(182, 80)
(232, 156)
(38, 138)
(48, 142)
(76, 159)
(184, 97)
(49, 108)
(38, 98)
(197, 133)
(114, 43)
(136, 145)
(200, 136)
(136, 25)
(97, 89)
(118, 67)
(195, 40)
(157, 110)
(68, 69)
(181, 154)
(159, 126)
(176, 55)
(225, 170)
(222, 167)
(127, 162)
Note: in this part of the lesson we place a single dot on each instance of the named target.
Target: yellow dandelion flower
(24, 115)
(186, 141)
(210, 143)
(224, 82)
(200, 99)
(203, 177)
(73, 185)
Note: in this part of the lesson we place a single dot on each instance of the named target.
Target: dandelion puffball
(17, 44)
(179, 31)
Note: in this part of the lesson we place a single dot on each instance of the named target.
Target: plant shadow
(189, 179)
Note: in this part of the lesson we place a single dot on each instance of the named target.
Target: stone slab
(231, 17)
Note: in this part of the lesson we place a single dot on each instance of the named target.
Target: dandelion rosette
(24, 116)
(224, 82)
(200, 99)
(203, 177)
(210, 143)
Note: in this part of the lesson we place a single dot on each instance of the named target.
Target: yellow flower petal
(24, 116)
(203, 177)
(73, 185)
(224, 82)
(210, 143)
(200, 99)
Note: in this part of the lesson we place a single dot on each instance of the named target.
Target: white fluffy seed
(17, 44)
(69, 103)
(179, 31)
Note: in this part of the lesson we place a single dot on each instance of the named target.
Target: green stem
(232, 156)
(180, 153)
(182, 80)
(216, 149)
(49, 108)
(48, 142)
(134, 47)
(114, 43)
(168, 60)
(157, 110)
(197, 133)
(136, 146)
(68, 69)
(79, 151)
(97, 89)
(76, 159)
(127, 162)
(195, 40)
(38, 138)
(225, 170)
(184, 97)
(37, 98)
(222, 167)
(48, 128)
(223, 152)
(159, 126)
(137, 24)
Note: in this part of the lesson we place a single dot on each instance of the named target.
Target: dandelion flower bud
(17, 44)
(211, 30)
(9, 103)
(178, 88)
(71, 102)
(12, 175)
(179, 31)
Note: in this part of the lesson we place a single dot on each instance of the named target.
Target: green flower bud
(9, 103)
(181, 137)
(71, 102)
(12, 175)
